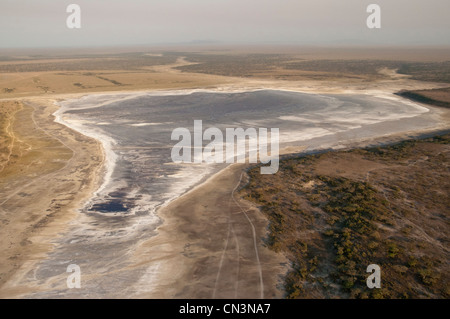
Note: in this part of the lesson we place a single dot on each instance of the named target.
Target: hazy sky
(42, 23)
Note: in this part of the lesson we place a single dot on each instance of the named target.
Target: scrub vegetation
(335, 213)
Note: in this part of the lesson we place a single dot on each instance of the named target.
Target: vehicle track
(231, 233)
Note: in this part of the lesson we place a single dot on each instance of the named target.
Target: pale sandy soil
(210, 242)
(209, 246)
(56, 170)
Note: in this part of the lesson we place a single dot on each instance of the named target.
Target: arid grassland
(23, 75)
(80, 73)
(335, 213)
(294, 67)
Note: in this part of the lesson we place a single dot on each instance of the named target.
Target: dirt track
(217, 251)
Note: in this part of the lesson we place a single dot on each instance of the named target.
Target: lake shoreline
(173, 212)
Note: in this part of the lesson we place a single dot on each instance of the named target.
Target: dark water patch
(118, 194)
(112, 206)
